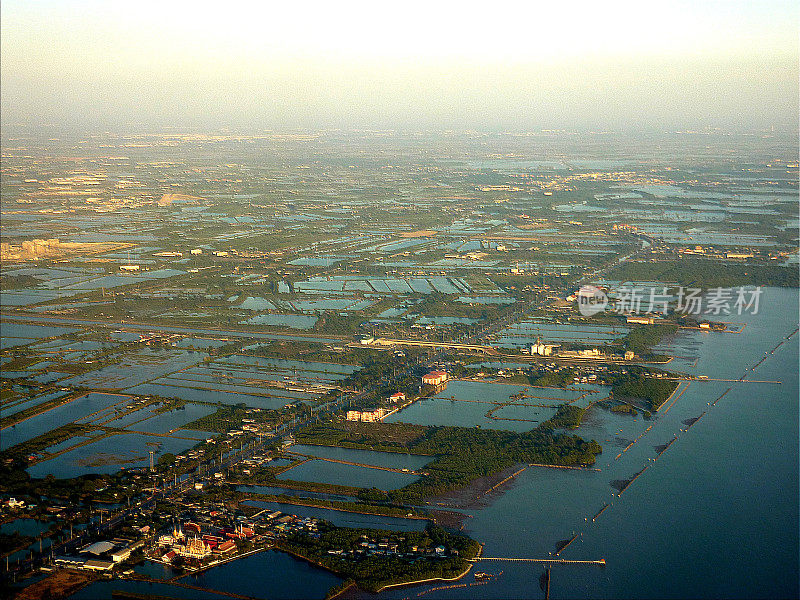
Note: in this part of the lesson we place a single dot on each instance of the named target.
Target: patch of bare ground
(475, 494)
(449, 519)
(59, 584)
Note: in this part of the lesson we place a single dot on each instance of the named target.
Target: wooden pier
(551, 560)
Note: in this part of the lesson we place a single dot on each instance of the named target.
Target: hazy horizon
(515, 67)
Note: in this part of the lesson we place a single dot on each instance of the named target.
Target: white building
(640, 320)
(541, 349)
(366, 416)
(120, 555)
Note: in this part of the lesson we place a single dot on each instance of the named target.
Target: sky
(494, 65)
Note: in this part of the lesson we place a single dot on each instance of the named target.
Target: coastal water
(715, 516)
(279, 577)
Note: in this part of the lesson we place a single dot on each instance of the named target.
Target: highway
(155, 327)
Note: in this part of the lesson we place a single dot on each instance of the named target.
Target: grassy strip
(706, 274)
(464, 454)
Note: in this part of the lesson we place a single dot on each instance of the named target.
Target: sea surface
(716, 515)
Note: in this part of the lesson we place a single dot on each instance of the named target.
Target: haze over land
(508, 66)
(393, 300)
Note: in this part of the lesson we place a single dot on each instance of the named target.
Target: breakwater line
(601, 511)
(638, 437)
(507, 479)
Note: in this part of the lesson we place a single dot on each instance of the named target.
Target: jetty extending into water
(551, 560)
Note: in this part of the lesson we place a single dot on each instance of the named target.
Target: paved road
(209, 332)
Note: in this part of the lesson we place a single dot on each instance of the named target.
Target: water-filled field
(77, 409)
(527, 332)
(144, 365)
(279, 320)
(322, 471)
(12, 409)
(273, 490)
(396, 460)
(109, 455)
(475, 403)
(202, 395)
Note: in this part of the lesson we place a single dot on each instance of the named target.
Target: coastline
(217, 564)
(384, 587)
(431, 580)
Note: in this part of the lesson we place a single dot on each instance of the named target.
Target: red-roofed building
(434, 378)
(226, 547)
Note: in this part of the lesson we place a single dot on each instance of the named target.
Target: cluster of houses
(278, 523)
(436, 379)
(394, 546)
(16, 508)
(14, 504)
